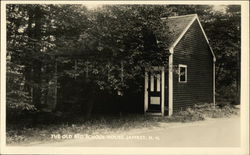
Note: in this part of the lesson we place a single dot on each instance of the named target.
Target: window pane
(182, 74)
(158, 76)
(152, 83)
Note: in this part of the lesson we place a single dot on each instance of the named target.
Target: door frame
(146, 86)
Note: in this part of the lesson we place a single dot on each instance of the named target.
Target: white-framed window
(182, 73)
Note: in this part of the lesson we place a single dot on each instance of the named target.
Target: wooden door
(154, 91)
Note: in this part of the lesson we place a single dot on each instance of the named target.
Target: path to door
(221, 132)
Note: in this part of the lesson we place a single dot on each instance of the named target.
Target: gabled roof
(178, 26)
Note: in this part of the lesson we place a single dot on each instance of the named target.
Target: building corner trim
(214, 102)
(170, 82)
(163, 91)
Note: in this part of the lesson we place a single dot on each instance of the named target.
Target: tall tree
(131, 36)
(35, 31)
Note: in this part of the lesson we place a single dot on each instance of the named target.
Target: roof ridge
(195, 14)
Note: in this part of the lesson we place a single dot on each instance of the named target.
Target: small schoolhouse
(193, 59)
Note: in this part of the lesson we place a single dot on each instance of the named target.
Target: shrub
(220, 110)
(18, 101)
(202, 111)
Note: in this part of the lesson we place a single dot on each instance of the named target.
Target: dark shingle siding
(193, 51)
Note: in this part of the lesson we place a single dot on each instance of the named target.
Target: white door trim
(170, 82)
(146, 83)
(214, 102)
(146, 92)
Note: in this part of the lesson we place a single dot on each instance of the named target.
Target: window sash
(182, 74)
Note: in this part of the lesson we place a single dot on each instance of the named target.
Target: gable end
(184, 32)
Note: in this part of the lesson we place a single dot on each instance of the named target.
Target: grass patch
(24, 132)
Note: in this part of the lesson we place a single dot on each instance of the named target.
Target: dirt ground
(219, 132)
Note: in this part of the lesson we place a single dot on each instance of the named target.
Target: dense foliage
(227, 46)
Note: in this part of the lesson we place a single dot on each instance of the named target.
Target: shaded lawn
(28, 131)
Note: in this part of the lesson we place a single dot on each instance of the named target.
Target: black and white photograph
(124, 75)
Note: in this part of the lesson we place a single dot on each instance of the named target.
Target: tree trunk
(89, 107)
(37, 85)
(37, 64)
(28, 77)
(28, 72)
(238, 71)
(91, 94)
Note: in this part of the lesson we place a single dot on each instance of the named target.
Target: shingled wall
(193, 51)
